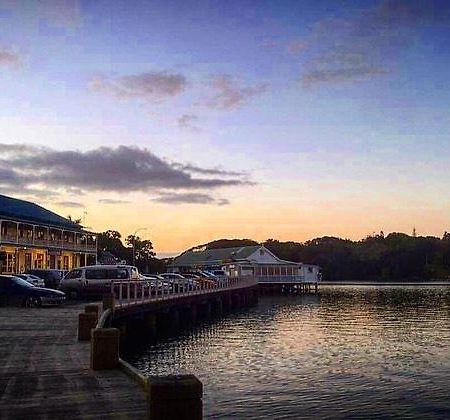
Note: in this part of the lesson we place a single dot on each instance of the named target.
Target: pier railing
(129, 293)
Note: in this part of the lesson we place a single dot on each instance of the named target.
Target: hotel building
(34, 237)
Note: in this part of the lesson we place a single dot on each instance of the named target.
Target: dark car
(52, 278)
(16, 291)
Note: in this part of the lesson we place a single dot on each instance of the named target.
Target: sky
(199, 120)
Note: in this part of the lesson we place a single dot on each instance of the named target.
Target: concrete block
(105, 348)
(175, 397)
(86, 322)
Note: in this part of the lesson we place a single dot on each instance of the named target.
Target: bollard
(174, 397)
(109, 301)
(92, 308)
(86, 322)
(105, 348)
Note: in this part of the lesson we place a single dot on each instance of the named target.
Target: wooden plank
(44, 370)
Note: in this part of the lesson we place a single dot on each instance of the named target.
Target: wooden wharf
(47, 373)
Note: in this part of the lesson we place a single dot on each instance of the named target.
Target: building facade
(34, 237)
(256, 261)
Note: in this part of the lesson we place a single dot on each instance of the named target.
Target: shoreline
(384, 283)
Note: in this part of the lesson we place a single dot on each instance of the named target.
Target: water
(352, 352)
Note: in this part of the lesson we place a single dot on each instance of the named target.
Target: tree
(143, 252)
(109, 242)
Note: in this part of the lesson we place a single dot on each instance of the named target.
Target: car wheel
(32, 302)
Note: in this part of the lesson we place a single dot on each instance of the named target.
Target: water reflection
(353, 352)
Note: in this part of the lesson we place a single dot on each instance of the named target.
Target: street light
(134, 240)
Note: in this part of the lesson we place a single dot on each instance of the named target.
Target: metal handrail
(133, 292)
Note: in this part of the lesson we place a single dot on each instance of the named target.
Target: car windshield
(21, 282)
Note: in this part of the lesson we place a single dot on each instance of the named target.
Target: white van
(95, 280)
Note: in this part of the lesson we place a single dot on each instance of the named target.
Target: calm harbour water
(351, 352)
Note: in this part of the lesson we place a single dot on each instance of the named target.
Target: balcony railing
(47, 243)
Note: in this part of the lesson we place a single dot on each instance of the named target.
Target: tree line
(396, 256)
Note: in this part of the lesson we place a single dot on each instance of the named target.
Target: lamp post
(134, 240)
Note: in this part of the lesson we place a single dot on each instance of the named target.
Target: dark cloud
(189, 198)
(368, 44)
(9, 58)
(150, 87)
(206, 171)
(188, 121)
(230, 94)
(71, 204)
(119, 169)
(112, 201)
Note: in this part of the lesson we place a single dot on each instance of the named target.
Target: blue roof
(21, 210)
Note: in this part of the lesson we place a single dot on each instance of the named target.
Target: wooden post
(109, 301)
(175, 397)
(105, 348)
(86, 322)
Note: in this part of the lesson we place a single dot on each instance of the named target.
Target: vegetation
(112, 250)
(396, 256)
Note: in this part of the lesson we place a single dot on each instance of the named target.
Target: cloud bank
(119, 169)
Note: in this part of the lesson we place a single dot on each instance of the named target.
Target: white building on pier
(255, 261)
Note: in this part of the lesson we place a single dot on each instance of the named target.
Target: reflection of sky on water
(350, 351)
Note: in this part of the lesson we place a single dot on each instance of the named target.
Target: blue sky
(306, 105)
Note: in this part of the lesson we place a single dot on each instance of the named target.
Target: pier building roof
(255, 253)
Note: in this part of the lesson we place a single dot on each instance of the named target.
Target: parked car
(179, 282)
(52, 278)
(95, 280)
(217, 273)
(201, 279)
(16, 291)
(31, 278)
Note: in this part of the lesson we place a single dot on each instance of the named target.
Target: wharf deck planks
(44, 370)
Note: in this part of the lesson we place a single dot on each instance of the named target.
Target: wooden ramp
(44, 370)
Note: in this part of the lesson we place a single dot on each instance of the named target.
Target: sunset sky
(201, 120)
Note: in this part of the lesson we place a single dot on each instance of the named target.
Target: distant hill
(226, 243)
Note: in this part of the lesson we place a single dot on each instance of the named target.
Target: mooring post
(174, 397)
(104, 348)
(92, 308)
(109, 301)
(86, 322)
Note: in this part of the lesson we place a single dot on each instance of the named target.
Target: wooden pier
(47, 373)
(44, 370)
